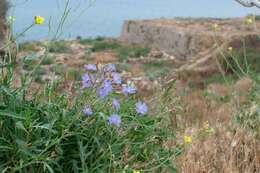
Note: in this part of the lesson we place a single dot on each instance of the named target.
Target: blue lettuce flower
(91, 67)
(141, 107)
(115, 104)
(87, 110)
(117, 78)
(127, 89)
(86, 81)
(114, 119)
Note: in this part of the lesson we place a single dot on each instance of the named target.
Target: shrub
(91, 40)
(29, 46)
(58, 69)
(131, 51)
(157, 69)
(104, 45)
(47, 61)
(58, 47)
(73, 74)
(29, 61)
(40, 71)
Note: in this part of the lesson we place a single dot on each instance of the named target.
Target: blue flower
(86, 81)
(115, 103)
(117, 78)
(107, 85)
(114, 119)
(102, 92)
(87, 110)
(105, 89)
(90, 67)
(141, 107)
(109, 68)
(127, 89)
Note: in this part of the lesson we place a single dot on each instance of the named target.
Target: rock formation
(198, 43)
(183, 38)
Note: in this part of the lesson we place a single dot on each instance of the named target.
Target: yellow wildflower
(207, 128)
(11, 19)
(206, 125)
(230, 49)
(38, 20)
(135, 171)
(249, 21)
(187, 139)
(215, 26)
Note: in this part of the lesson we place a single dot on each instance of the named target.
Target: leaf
(19, 125)
(11, 115)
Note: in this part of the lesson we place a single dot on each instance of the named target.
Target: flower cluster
(105, 80)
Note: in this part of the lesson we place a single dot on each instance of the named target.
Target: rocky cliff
(183, 38)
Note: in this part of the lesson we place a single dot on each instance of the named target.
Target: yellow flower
(206, 125)
(135, 171)
(11, 19)
(187, 139)
(207, 128)
(230, 49)
(249, 21)
(215, 26)
(38, 20)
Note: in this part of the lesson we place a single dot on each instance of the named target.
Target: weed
(157, 69)
(125, 52)
(123, 67)
(40, 71)
(47, 61)
(29, 46)
(58, 47)
(73, 74)
(104, 45)
(58, 69)
(91, 40)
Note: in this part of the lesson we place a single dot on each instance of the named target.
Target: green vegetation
(73, 74)
(47, 60)
(58, 47)
(123, 51)
(123, 67)
(91, 40)
(157, 69)
(49, 132)
(58, 69)
(100, 44)
(104, 45)
(40, 71)
(29, 62)
(243, 62)
(219, 78)
(30, 46)
(126, 52)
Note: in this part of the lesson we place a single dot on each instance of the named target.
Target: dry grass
(226, 151)
(230, 148)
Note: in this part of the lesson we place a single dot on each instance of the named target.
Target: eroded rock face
(183, 38)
